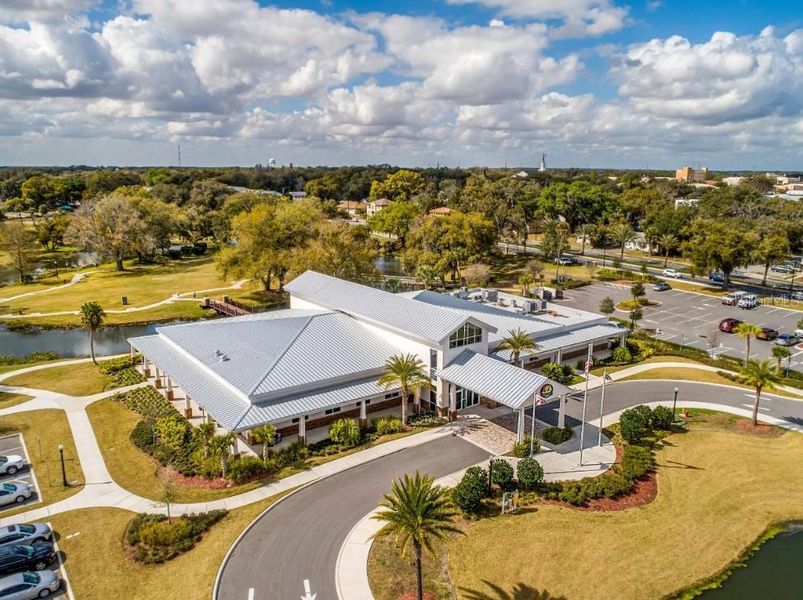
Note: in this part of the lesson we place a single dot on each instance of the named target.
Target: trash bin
(124, 300)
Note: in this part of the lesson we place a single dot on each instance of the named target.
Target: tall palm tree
(220, 446)
(621, 233)
(651, 237)
(668, 242)
(408, 372)
(207, 431)
(746, 331)
(92, 316)
(416, 513)
(517, 342)
(760, 375)
(264, 434)
(526, 280)
(585, 231)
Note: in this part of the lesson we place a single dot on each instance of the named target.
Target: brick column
(169, 393)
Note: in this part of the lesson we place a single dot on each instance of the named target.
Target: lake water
(772, 573)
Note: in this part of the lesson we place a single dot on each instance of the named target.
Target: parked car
(729, 325)
(25, 533)
(673, 273)
(767, 334)
(14, 492)
(9, 465)
(661, 286)
(798, 333)
(716, 276)
(732, 298)
(747, 302)
(783, 269)
(28, 585)
(564, 261)
(787, 339)
(22, 557)
(797, 295)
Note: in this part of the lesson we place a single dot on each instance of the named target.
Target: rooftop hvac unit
(490, 295)
(531, 306)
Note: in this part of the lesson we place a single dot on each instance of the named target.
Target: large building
(690, 175)
(321, 359)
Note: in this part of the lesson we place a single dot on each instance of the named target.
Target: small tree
(638, 292)
(780, 353)
(345, 431)
(220, 446)
(517, 342)
(633, 424)
(760, 375)
(606, 305)
(169, 493)
(473, 487)
(636, 314)
(668, 242)
(529, 472)
(747, 331)
(265, 435)
(92, 317)
(501, 473)
(525, 281)
(408, 372)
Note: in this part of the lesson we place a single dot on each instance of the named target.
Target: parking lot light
(63, 470)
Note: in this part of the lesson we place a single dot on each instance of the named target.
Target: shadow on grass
(673, 464)
(520, 591)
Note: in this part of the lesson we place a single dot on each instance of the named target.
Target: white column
(363, 414)
(623, 340)
(169, 387)
(302, 429)
(452, 402)
(561, 411)
(146, 367)
(417, 400)
(591, 348)
(559, 356)
(187, 405)
(520, 426)
(133, 352)
(157, 382)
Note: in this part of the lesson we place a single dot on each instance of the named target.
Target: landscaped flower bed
(153, 539)
(121, 371)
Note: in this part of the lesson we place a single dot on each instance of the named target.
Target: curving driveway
(300, 537)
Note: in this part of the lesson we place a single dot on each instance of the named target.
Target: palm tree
(621, 233)
(746, 331)
(668, 242)
(264, 434)
(517, 342)
(758, 374)
(780, 353)
(584, 230)
(416, 512)
(220, 446)
(526, 280)
(408, 372)
(207, 431)
(426, 274)
(650, 236)
(92, 315)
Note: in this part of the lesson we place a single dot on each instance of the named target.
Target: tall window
(468, 334)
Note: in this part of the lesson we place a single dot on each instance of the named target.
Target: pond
(388, 264)
(72, 342)
(772, 573)
(73, 260)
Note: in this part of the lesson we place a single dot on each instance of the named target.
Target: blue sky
(597, 83)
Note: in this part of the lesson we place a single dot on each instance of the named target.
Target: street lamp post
(674, 403)
(63, 470)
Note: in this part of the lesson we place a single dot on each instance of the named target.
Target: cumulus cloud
(22, 11)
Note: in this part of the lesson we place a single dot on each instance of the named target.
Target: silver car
(9, 465)
(28, 585)
(25, 533)
(16, 492)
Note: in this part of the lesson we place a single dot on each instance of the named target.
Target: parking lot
(14, 444)
(693, 319)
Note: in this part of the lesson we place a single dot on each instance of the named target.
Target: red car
(729, 325)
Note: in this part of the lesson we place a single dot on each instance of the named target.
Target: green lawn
(82, 379)
(43, 431)
(719, 490)
(99, 569)
(180, 310)
(8, 399)
(142, 285)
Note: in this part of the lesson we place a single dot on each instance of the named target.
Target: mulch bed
(746, 426)
(216, 483)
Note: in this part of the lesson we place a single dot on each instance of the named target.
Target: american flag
(589, 364)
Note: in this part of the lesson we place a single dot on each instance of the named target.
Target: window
(329, 411)
(465, 336)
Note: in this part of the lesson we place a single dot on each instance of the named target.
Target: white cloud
(22, 11)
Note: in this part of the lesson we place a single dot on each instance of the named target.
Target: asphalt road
(685, 317)
(301, 537)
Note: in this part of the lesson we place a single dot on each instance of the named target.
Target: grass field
(718, 491)
(8, 399)
(43, 431)
(142, 285)
(98, 568)
(82, 379)
(700, 375)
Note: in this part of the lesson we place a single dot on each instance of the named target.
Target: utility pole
(179, 155)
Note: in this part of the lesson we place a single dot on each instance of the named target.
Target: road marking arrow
(250, 593)
(308, 595)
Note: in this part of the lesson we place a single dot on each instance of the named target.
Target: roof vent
(218, 352)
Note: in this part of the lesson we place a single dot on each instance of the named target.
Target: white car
(9, 465)
(733, 298)
(28, 585)
(748, 301)
(673, 273)
(564, 261)
(11, 493)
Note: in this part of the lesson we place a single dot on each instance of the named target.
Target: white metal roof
(494, 379)
(568, 339)
(408, 317)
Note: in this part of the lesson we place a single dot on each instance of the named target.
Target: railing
(227, 307)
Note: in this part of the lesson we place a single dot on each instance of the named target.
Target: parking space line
(63, 571)
(31, 471)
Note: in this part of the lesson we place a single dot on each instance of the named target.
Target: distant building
(296, 196)
(353, 208)
(686, 202)
(691, 175)
(440, 211)
(731, 181)
(521, 175)
(241, 189)
(377, 205)
(783, 179)
(639, 242)
(542, 167)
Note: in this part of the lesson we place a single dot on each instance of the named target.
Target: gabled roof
(408, 317)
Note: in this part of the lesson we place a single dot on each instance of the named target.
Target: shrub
(12, 359)
(557, 435)
(557, 372)
(634, 423)
(426, 420)
(473, 487)
(147, 402)
(501, 473)
(290, 454)
(245, 468)
(172, 431)
(637, 461)
(621, 355)
(522, 449)
(143, 436)
(345, 431)
(121, 371)
(154, 539)
(529, 472)
(386, 425)
(662, 418)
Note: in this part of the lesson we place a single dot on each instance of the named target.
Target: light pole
(63, 470)
(674, 404)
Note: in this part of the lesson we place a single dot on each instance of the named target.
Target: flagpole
(602, 405)
(585, 398)
(532, 426)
